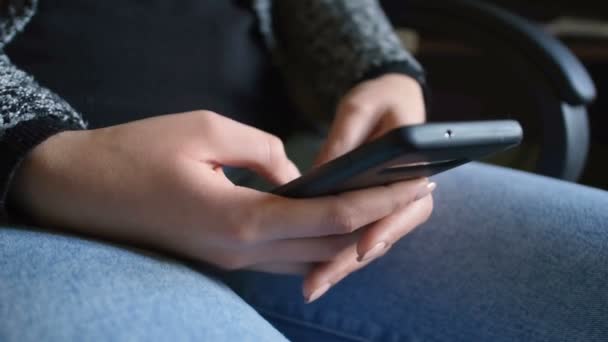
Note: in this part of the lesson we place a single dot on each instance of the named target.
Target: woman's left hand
(366, 112)
(371, 109)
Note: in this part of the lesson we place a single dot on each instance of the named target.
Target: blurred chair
(546, 72)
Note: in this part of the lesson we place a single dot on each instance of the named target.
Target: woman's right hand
(159, 182)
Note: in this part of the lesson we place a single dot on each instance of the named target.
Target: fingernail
(425, 191)
(373, 253)
(318, 292)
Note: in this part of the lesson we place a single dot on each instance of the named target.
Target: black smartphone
(406, 153)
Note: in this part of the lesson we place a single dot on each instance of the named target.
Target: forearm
(29, 114)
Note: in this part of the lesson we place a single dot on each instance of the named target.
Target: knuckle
(337, 146)
(356, 106)
(243, 229)
(243, 234)
(207, 120)
(275, 149)
(341, 218)
(395, 200)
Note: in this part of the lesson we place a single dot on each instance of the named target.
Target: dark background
(594, 54)
(468, 85)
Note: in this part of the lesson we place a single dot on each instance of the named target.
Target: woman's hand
(368, 111)
(371, 109)
(159, 182)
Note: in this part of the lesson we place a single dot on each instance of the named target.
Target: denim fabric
(59, 288)
(507, 256)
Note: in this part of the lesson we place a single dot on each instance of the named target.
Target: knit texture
(325, 47)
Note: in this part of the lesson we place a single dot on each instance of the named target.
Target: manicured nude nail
(373, 253)
(425, 191)
(318, 292)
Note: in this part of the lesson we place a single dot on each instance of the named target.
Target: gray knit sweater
(323, 47)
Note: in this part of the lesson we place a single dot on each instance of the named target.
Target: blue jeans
(506, 256)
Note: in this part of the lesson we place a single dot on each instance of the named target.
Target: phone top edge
(441, 134)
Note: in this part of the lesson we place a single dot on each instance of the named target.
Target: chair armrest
(568, 76)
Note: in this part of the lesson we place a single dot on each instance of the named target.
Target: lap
(506, 256)
(56, 287)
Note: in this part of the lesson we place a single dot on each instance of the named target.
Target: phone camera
(448, 134)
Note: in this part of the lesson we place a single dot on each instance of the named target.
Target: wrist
(31, 190)
(412, 71)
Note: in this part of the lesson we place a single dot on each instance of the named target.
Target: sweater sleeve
(29, 113)
(324, 47)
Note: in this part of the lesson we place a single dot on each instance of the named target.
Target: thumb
(350, 129)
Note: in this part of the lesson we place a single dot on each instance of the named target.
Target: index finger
(285, 218)
(351, 127)
(244, 146)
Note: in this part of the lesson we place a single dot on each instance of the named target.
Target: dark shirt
(115, 63)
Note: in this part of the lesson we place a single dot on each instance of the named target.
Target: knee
(56, 287)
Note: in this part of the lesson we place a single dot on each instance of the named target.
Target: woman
(496, 261)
